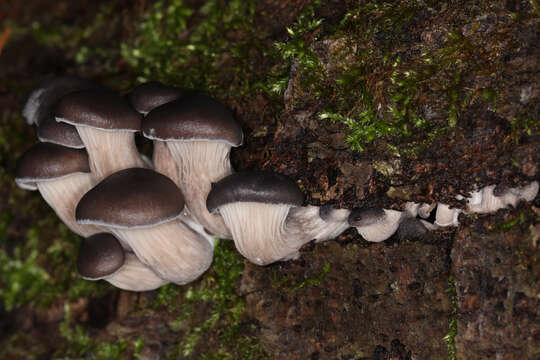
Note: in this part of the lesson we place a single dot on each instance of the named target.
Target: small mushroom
(141, 207)
(151, 94)
(485, 200)
(319, 223)
(106, 124)
(102, 257)
(144, 98)
(39, 109)
(444, 216)
(199, 133)
(424, 210)
(255, 206)
(40, 103)
(62, 176)
(375, 224)
(60, 134)
(413, 228)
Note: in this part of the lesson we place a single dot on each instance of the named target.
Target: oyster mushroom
(317, 223)
(255, 206)
(375, 224)
(445, 216)
(199, 133)
(151, 94)
(144, 98)
(141, 208)
(486, 201)
(102, 257)
(39, 109)
(62, 176)
(106, 124)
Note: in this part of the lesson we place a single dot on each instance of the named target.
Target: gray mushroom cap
(98, 109)
(256, 186)
(366, 216)
(152, 94)
(413, 228)
(130, 198)
(375, 224)
(194, 118)
(47, 161)
(99, 256)
(41, 101)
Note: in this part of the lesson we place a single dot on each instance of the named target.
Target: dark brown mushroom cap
(152, 94)
(194, 118)
(133, 197)
(99, 109)
(59, 133)
(365, 216)
(256, 186)
(41, 102)
(100, 255)
(46, 161)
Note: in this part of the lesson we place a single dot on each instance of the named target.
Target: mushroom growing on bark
(255, 206)
(141, 207)
(62, 176)
(102, 257)
(144, 98)
(39, 109)
(445, 216)
(317, 223)
(375, 224)
(106, 124)
(151, 94)
(414, 228)
(486, 201)
(199, 132)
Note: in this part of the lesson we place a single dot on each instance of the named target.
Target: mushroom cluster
(146, 222)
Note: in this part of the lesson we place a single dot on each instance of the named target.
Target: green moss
(22, 279)
(168, 296)
(517, 223)
(287, 283)
(378, 91)
(79, 344)
(523, 124)
(450, 337)
(39, 275)
(314, 280)
(204, 48)
(37, 267)
(212, 313)
(138, 346)
(299, 49)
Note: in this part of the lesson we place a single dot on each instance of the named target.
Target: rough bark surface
(469, 69)
(496, 274)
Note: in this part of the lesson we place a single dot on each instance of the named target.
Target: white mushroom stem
(444, 216)
(135, 276)
(259, 231)
(110, 150)
(172, 250)
(305, 222)
(485, 201)
(200, 164)
(425, 210)
(383, 228)
(187, 219)
(164, 162)
(63, 195)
